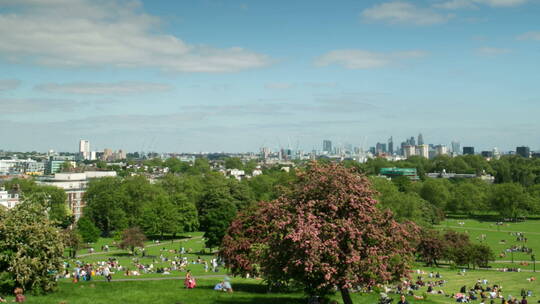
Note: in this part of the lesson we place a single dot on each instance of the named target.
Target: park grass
(254, 291)
(496, 234)
(169, 288)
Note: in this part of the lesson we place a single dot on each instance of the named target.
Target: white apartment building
(8, 200)
(20, 166)
(75, 185)
(423, 150)
(409, 151)
(84, 149)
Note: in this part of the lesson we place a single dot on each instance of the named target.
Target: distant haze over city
(235, 76)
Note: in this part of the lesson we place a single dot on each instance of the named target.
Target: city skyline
(236, 76)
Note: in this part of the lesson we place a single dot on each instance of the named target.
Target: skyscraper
(390, 146)
(420, 139)
(468, 150)
(456, 149)
(327, 146)
(84, 149)
(523, 151)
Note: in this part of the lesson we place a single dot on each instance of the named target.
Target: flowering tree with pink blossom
(326, 232)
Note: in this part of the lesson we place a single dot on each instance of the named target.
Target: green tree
(510, 200)
(480, 255)
(326, 234)
(436, 192)
(217, 209)
(105, 203)
(186, 218)
(87, 230)
(158, 216)
(73, 241)
(469, 197)
(31, 248)
(234, 163)
(132, 238)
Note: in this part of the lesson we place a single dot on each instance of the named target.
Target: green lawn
(495, 236)
(169, 289)
(254, 291)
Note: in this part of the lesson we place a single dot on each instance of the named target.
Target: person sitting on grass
(189, 282)
(227, 285)
(19, 297)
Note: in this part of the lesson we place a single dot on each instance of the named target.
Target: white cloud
(459, 4)
(501, 3)
(9, 84)
(107, 33)
(119, 88)
(34, 105)
(529, 36)
(279, 85)
(399, 12)
(492, 51)
(456, 4)
(360, 59)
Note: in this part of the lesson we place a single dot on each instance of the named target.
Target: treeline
(179, 202)
(453, 247)
(507, 169)
(427, 201)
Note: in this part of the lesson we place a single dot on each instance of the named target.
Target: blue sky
(238, 75)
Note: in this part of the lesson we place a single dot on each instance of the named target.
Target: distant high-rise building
(468, 150)
(412, 142)
(380, 148)
(265, 152)
(327, 146)
(441, 150)
(84, 149)
(390, 146)
(456, 147)
(496, 153)
(107, 155)
(423, 150)
(523, 151)
(409, 151)
(486, 154)
(420, 139)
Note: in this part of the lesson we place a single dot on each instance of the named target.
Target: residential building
(409, 151)
(441, 150)
(84, 149)
(423, 150)
(7, 199)
(75, 185)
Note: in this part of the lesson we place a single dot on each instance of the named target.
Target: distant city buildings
(327, 146)
(523, 151)
(468, 150)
